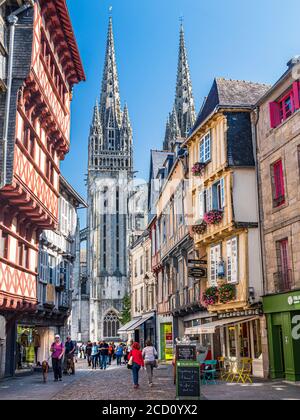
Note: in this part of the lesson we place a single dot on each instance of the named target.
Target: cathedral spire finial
(110, 103)
(184, 101)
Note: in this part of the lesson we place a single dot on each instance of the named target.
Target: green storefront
(283, 320)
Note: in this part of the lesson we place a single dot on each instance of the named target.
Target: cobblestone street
(116, 384)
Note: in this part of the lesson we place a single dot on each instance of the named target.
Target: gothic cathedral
(110, 174)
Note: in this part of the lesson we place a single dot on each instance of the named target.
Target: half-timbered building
(42, 66)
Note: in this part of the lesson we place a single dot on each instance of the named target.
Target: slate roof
(230, 93)
(158, 159)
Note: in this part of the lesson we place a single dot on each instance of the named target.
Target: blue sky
(238, 39)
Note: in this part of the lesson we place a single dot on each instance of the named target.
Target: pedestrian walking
(57, 350)
(111, 350)
(88, 351)
(103, 355)
(150, 358)
(136, 361)
(69, 364)
(119, 354)
(94, 355)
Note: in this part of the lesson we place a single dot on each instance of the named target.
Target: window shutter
(275, 117)
(235, 267)
(296, 95)
(229, 262)
(212, 267)
(209, 199)
(278, 180)
(201, 205)
(223, 193)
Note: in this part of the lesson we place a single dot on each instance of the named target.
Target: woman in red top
(137, 363)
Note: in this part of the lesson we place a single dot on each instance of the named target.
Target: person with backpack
(88, 351)
(135, 362)
(69, 356)
(150, 357)
(57, 350)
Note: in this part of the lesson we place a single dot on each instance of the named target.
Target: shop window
(284, 107)
(257, 338)
(278, 184)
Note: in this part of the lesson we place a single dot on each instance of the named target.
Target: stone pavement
(259, 390)
(116, 384)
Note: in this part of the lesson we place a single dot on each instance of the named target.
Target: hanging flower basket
(213, 217)
(227, 293)
(211, 296)
(198, 168)
(200, 227)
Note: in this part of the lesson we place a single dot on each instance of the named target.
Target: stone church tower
(183, 116)
(110, 172)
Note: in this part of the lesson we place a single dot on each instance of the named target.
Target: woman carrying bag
(135, 362)
(150, 356)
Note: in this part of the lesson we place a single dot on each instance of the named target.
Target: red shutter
(296, 95)
(275, 118)
(279, 181)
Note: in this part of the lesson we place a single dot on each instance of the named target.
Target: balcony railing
(284, 281)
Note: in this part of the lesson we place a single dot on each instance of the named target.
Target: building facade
(276, 124)
(110, 174)
(42, 64)
(57, 278)
(142, 327)
(225, 227)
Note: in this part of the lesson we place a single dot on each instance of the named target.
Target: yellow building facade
(225, 228)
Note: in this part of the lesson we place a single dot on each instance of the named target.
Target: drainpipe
(12, 20)
(260, 211)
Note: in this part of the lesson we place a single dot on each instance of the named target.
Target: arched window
(111, 325)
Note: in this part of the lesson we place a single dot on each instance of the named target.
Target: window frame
(205, 148)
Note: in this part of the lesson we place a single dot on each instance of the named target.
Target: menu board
(185, 352)
(188, 380)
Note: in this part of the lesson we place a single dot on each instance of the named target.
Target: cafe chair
(223, 368)
(209, 372)
(245, 370)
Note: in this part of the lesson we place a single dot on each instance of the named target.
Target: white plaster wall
(245, 196)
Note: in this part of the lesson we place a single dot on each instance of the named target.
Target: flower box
(213, 217)
(198, 168)
(200, 227)
(227, 293)
(211, 296)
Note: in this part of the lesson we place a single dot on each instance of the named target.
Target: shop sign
(237, 314)
(293, 300)
(296, 328)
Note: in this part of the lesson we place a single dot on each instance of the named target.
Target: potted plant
(213, 217)
(211, 296)
(198, 168)
(199, 227)
(227, 293)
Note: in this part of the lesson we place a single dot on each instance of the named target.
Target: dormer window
(285, 106)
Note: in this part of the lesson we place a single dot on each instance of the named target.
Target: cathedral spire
(96, 122)
(184, 101)
(110, 104)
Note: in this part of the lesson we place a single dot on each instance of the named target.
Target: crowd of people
(101, 355)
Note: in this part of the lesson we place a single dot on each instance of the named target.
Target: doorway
(279, 359)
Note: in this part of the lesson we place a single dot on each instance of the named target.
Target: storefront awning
(142, 320)
(129, 326)
(210, 328)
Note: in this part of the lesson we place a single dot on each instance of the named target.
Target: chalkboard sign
(185, 352)
(188, 380)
